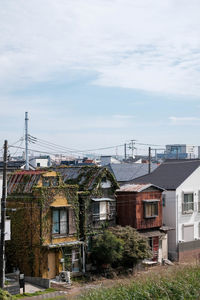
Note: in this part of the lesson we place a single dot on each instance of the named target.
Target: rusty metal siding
(130, 209)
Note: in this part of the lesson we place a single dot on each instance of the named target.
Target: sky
(98, 73)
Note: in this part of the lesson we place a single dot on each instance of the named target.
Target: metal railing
(188, 207)
(104, 216)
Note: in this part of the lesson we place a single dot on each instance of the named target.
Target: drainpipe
(83, 251)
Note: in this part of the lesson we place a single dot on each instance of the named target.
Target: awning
(151, 200)
(152, 233)
(166, 228)
(64, 244)
(102, 199)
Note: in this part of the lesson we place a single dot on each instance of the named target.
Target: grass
(173, 283)
(21, 296)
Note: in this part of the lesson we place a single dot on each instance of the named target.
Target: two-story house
(140, 206)
(44, 214)
(181, 205)
(96, 194)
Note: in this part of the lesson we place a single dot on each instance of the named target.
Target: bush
(120, 246)
(4, 295)
(107, 248)
(135, 246)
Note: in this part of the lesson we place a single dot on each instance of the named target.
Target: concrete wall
(43, 282)
(189, 251)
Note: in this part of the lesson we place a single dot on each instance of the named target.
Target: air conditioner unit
(65, 276)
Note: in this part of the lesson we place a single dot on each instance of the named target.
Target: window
(60, 221)
(51, 181)
(188, 203)
(99, 210)
(46, 181)
(150, 209)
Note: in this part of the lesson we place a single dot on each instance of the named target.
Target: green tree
(107, 248)
(135, 246)
(120, 246)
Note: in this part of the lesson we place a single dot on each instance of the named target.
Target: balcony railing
(188, 207)
(102, 217)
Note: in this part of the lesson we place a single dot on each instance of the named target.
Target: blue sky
(97, 73)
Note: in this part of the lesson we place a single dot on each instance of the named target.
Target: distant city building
(78, 162)
(43, 161)
(177, 151)
(108, 159)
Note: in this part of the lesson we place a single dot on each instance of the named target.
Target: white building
(107, 159)
(178, 151)
(40, 161)
(181, 205)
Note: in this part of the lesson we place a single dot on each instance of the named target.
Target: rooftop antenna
(26, 141)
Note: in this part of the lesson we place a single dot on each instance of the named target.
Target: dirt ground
(79, 288)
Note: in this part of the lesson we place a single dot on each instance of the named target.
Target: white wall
(169, 219)
(44, 162)
(190, 185)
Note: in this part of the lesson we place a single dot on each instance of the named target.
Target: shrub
(135, 246)
(107, 248)
(120, 246)
(4, 295)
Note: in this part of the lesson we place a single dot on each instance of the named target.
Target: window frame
(152, 203)
(186, 209)
(59, 209)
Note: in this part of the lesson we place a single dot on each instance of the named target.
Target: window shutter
(72, 221)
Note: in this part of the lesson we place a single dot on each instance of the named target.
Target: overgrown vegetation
(174, 283)
(4, 295)
(107, 249)
(119, 246)
(38, 293)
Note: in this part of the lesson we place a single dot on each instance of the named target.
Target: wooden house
(96, 196)
(44, 214)
(140, 206)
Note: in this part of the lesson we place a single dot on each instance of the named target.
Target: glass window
(151, 209)
(96, 208)
(60, 225)
(46, 181)
(188, 203)
(55, 181)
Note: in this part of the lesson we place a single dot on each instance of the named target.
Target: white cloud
(151, 45)
(184, 120)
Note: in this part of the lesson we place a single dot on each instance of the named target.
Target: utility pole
(3, 217)
(132, 146)
(26, 141)
(125, 152)
(149, 160)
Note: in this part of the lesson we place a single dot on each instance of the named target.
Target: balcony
(102, 217)
(187, 208)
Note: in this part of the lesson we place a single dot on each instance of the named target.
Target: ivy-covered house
(96, 195)
(44, 215)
